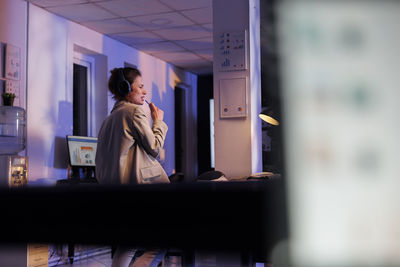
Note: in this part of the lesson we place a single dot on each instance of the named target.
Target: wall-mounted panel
(233, 98)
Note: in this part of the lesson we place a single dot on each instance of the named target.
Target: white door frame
(88, 62)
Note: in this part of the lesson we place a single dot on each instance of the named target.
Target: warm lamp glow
(268, 119)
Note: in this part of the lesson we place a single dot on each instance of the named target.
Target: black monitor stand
(78, 175)
(83, 174)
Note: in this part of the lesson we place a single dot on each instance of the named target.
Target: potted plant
(8, 99)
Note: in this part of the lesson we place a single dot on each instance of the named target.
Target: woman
(127, 149)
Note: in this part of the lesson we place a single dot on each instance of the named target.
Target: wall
(49, 102)
(13, 19)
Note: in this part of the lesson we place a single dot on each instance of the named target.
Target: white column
(237, 132)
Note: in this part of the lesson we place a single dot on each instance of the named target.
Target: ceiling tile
(52, 3)
(129, 8)
(158, 47)
(207, 54)
(200, 15)
(197, 44)
(192, 63)
(136, 38)
(187, 4)
(177, 56)
(112, 26)
(160, 21)
(149, 25)
(206, 70)
(81, 12)
(183, 33)
(208, 27)
(196, 66)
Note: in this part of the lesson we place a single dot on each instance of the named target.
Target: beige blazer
(127, 147)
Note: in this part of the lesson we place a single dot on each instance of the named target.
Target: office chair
(210, 175)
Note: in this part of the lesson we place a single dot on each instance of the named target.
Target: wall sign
(10, 70)
(12, 62)
(2, 46)
(232, 51)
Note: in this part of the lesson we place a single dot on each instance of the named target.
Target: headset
(123, 86)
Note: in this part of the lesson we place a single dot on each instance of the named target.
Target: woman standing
(127, 150)
(127, 146)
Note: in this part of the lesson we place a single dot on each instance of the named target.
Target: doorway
(80, 101)
(180, 130)
(205, 123)
(82, 95)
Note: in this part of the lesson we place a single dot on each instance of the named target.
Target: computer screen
(81, 150)
(340, 65)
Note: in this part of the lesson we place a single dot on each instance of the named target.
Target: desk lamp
(268, 115)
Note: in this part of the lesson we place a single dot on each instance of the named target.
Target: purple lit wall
(49, 99)
(13, 19)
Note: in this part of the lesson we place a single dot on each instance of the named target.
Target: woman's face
(138, 93)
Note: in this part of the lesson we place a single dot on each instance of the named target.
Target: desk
(245, 217)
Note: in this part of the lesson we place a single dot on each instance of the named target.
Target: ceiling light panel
(160, 21)
(109, 26)
(200, 15)
(81, 12)
(183, 33)
(177, 56)
(129, 8)
(159, 47)
(187, 4)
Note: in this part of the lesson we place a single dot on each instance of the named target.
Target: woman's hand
(156, 113)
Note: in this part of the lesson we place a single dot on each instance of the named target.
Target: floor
(103, 259)
(94, 261)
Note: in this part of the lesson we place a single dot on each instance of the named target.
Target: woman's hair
(115, 80)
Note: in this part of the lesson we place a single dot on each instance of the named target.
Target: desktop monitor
(340, 85)
(81, 150)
